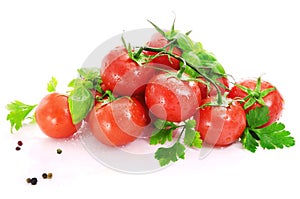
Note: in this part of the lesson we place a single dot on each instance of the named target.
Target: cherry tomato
(210, 91)
(172, 99)
(220, 126)
(122, 75)
(119, 122)
(273, 100)
(159, 41)
(54, 118)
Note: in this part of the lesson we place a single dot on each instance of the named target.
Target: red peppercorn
(20, 143)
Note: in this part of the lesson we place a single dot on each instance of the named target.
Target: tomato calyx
(136, 54)
(106, 98)
(255, 95)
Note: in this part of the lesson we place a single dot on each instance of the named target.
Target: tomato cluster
(158, 89)
(169, 83)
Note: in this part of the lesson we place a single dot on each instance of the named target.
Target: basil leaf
(184, 42)
(81, 102)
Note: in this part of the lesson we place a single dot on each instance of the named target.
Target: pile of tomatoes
(171, 78)
(140, 93)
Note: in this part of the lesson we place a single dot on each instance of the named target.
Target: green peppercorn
(58, 151)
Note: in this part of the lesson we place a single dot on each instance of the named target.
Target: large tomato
(219, 125)
(273, 100)
(54, 118)
(122, 75)
(164, 61)
(119, 122)
(172, 99)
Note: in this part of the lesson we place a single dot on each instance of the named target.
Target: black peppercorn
(44, 175)
(33, 181)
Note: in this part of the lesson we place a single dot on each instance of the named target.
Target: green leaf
(161, 136)
(18, 113)
(163, 132)
(192, 137)
(166, 155)
(81, 102)
(275, 136)
(258, 117)
(184, 42)
(197, 142)
(197, 48)
(51, 86)
(248, 141)
(191, 58)
(90, 73)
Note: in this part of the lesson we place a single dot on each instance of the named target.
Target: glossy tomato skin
(54, 118)
(159, 41)
(119, 122)
(220, 126)
(273, 100)
(223, 85)
(122, 75)
(172, 99)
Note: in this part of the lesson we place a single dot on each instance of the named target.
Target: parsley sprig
(270, 137)
(164, 132)
(20, 112)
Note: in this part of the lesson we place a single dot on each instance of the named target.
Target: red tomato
(122, 75)
(119, 122)
(273, 100)
(220, 126)
(223, 85)
(54, 118)
(172, 99)
(159, 41)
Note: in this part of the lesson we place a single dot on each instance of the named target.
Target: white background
(40, 39)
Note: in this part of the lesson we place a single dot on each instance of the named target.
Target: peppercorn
(33, 181)
(18, 148)
(28, 180)
(20, 143)
(49, 176)
(58, 151)
(44, 175)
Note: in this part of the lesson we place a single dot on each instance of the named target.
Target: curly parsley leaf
(275, 136)
(163, 133)
(166, 155)
(192, 137)
(258, 117)
(51, 86)
(269, 137)
(248, 141)
(161, 136)
(18, 113)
